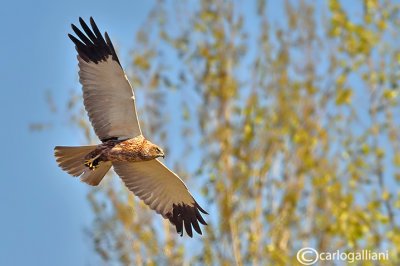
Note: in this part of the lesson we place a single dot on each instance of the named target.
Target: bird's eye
(158, 150)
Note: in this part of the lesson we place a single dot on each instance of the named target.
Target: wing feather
(107, 94)
(163, 191)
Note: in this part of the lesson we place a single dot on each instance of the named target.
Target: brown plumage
(131, 150)
(110, 103)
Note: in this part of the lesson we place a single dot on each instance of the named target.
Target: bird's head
(156, 152)
(150, 151)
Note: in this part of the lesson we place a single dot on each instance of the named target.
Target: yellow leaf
(382, 218)
(390, 94)
(334, 5)
(368, 18)
(344, 97)
(341, 79)
(380, 153)
(141, 62)
(371, 4)
(385, 195)
(300, 136)
(365, 148)
(397, 177)
(382, 24)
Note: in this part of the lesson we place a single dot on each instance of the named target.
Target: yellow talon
(90, 163)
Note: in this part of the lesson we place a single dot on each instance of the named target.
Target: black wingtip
(196, 226)
(188, 227)
(81, 20)
(109, 43)
(184, 217)
(200, 208)
(92, 47)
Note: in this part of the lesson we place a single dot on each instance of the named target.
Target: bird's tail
(72, 160)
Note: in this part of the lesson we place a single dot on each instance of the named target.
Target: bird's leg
(93, 163)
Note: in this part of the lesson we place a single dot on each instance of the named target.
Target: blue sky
(43, 210)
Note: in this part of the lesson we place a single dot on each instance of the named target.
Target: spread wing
(163, 191)
(107, 95)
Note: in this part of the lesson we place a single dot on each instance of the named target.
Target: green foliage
(294, 124)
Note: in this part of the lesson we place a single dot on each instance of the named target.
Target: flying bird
(110, 104)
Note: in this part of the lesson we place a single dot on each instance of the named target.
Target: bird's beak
(163, 156)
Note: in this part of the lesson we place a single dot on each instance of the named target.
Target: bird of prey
(110, 104)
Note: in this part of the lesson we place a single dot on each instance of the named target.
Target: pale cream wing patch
(109, 99)
(163, 191)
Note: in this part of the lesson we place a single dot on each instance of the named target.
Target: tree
(289, 127)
